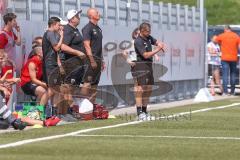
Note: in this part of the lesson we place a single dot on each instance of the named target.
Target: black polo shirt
(74, 39)
(93, 33)
(141, 45)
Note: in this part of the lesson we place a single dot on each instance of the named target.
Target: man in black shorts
(142, 71)
(73, 65)
(73, 49)
(92, 36)
(51, 44)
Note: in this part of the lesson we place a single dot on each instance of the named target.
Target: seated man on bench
(31, 76)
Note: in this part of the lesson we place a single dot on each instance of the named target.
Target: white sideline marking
(177, 137)
(19, 143)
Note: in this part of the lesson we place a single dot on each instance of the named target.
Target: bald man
(92, 37)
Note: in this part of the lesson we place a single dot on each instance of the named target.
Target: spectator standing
(214, 63)
(229, 42)
(8, 38)
(51, 44)
(92, 36)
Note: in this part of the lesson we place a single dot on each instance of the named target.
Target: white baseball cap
(62, 22)
(71, 13)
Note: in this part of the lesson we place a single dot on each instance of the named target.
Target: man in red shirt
(8, 39)
(229, 42)
(31, 76)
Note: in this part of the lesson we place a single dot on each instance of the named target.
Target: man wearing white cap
(73, 52)
(72, 42)
(72, 47)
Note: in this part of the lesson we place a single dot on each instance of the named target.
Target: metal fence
(118, 12)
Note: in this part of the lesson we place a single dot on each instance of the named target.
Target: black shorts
(29, 88)
(92, 75)
(51, 74)
(212, 68)
(74, 68)
(142, 73)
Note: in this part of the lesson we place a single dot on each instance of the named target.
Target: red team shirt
(3, 43)
(25, 76)
(4, 40)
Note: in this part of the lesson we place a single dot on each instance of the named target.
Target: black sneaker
(18, 124)
(3, 124)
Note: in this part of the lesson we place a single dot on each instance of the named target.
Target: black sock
(144, 109)
(139, 110)
(48, 111)
(70, 111)
(54, 111)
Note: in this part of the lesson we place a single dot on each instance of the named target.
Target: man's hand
(81, 55)
(16, 80)
(158, 48)
(61, 69)
(44, 85)
(17, 28)
(131, 63)
(61, 32)
(93, 64)
(157, 58)
(162, 46)
(164, 49)
(6, 93)
(9, 72)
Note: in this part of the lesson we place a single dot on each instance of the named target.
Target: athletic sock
(70, 111)
(139, 110)
(48, 111)
(54, 111)
(144, 109)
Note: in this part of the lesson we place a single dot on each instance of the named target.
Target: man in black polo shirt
(143, 72)
(72, 56)
(92, 35)
(73, 49)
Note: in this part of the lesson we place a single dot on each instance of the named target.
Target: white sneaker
(62, 122)
(141, 116)
(146, 117)
(149, 117)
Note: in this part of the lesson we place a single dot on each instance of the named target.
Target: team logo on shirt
(94, 32)
(76, 34)
(145, 44)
